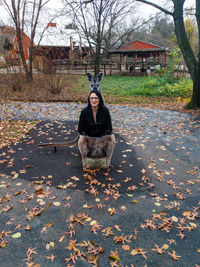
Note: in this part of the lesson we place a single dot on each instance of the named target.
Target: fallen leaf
(15, 176)
(134, 201)
(48, 246)
(193, 224)
(93, 222)
(134, 251)
(126, 247)
(16, 235)
(174, 218)
(57, 204)
(52, 244)
(165, 246)
(61, 238)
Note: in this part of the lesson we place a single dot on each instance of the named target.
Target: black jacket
(88, 127)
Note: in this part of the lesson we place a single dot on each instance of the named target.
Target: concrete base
(96, 163)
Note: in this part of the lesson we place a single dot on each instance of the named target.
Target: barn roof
(138, 46)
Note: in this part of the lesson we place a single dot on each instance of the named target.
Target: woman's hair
(101, 102)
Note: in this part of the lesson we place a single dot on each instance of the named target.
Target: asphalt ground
(135, 214)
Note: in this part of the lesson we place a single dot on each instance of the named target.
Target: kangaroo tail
(63, 144)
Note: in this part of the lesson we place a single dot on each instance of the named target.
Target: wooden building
(139, 55)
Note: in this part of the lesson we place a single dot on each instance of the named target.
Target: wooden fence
(107, 68)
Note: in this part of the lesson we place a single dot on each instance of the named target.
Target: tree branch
(156, 6)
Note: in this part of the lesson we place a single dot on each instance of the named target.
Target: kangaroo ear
(100, 76)
(89, 76)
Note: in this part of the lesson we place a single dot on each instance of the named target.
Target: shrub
(182, 88)
(54, 83)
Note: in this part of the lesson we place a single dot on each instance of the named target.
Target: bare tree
(192, 62)
(25, 16)
(96, 21)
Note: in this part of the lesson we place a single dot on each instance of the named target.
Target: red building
(26, 46)
(139, 51)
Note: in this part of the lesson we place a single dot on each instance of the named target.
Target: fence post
(120, 68)
(110, 69)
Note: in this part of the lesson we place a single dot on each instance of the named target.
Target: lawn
(141, 91)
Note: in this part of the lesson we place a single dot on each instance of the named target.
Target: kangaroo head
(95, 82)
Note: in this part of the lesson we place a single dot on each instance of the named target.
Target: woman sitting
(95, 129)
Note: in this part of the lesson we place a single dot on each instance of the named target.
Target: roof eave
(119, 51)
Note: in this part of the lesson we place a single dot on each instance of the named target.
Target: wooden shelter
(139, 55)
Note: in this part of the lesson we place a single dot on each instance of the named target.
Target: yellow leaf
(123, 208)
(15, 176)
(40, 196)
(165, 246)
(97, 200)
(38, 182)
(198, 250)
(134, 251)
(114, 257)
(157, 204)
(41, 202)
(75, 178)
(16, 235)
(93, 222)
(52, 244)
(134, 201)
(193, 224)
(85, 206)
(174, 218)
(57, 204)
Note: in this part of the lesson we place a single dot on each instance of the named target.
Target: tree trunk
(182, 39)
(97, 65)
(29, 76)
(195, 101)
(192, 64)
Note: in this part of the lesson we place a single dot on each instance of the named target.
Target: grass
(155, 92)
(147, 86)
(124, 86)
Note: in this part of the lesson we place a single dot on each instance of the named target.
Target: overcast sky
(144, 10)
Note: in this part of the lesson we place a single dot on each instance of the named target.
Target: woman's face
(94, 100)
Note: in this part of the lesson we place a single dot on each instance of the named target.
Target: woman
(95, 129)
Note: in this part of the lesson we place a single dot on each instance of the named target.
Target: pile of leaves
(13, 131)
